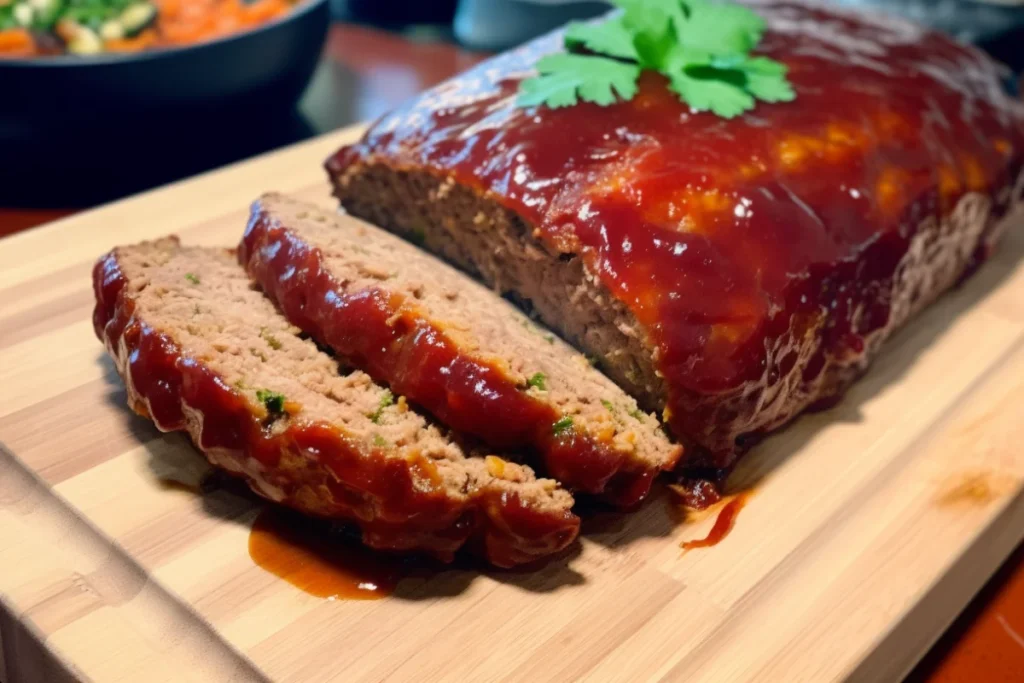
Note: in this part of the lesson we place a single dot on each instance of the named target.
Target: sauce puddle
(723, 524)
(307, 555)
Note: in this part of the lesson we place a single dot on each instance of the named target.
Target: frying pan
(95, 127)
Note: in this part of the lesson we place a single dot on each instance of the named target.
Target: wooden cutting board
(869, 526)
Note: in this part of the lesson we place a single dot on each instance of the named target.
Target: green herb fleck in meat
(193, 278)
(538, 380)
(387, 399)
(608, 405)
(637, 414)
(379, 441)
(272, 341)
(273, 401)
(562, 425)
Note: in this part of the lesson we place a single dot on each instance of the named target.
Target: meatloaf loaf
(450, 345)
(201, 351)
(730, 272)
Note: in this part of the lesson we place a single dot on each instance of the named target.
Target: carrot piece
(142, 41)
(17, 42)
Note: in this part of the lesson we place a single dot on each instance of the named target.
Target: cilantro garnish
(562, 76)
(702, 47)
(272, 401)
(538, 380)
(562, 425)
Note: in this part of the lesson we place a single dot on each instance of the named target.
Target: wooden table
(365, 72)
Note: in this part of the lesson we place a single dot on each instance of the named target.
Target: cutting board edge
(958, 585)
(26, 489)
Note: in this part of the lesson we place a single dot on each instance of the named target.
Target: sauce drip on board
(760, 253)
(724, 523)
(303, 553)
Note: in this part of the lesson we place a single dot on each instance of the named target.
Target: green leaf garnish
(611, 38)
(193, 278)
(538, 380)
(562, 425)
(721, 29)
(566, 78)
(702, 47)
(272, 401)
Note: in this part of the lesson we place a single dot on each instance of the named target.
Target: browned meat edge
(473, 231)
(321, 464)
(453, 347)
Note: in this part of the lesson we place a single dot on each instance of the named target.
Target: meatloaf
(450, 345)
(201, 351)
(730, 272)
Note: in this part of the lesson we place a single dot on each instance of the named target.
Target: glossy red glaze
(389, 338)
(759, 251)
(394, 504)
(724, 523)
(695, 493)
(310, 559)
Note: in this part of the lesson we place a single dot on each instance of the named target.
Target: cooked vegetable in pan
(86, 27)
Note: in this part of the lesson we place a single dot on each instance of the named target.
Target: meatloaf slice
(731, 272)
(201, 351)
(452, 346)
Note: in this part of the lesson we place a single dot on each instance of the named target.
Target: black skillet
(77, 129)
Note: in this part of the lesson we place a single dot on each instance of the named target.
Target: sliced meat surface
(201, 351)
(729, 273)
(454, 347)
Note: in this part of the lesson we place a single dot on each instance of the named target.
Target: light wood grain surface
(869, 527)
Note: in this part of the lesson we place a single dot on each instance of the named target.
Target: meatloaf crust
(729, 272)
(199, 351)
(451, 346)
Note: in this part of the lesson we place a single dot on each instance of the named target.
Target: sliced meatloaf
(731, 272)
(201, 351)
(452, 346)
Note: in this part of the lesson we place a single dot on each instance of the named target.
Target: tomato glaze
(760, 253)
(724, 523)
(311, 466)
(389, 338)
(318, 562)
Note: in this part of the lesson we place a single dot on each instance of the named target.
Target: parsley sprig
(702, 47)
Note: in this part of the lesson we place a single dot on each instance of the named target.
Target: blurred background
(105, 98)
(97, 108)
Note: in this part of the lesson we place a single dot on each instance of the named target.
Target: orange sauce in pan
(723, 523)
(300, 552)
